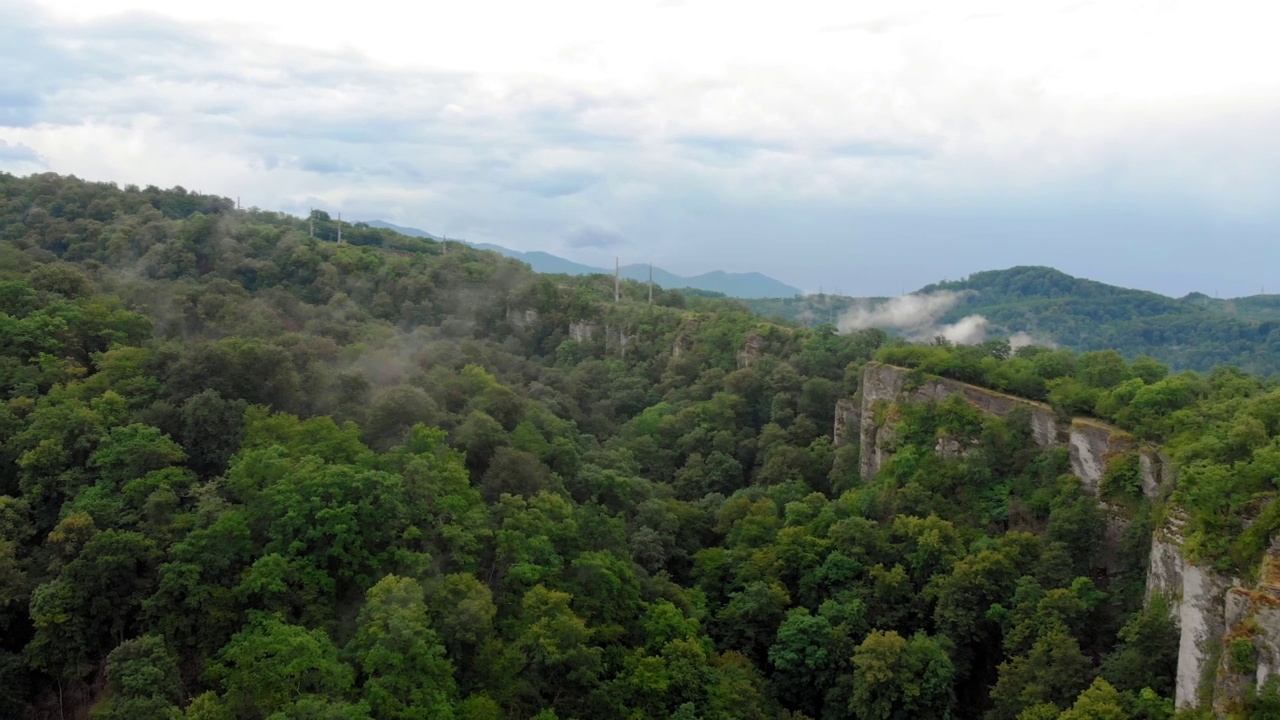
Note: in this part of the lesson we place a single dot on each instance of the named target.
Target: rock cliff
(1229, 632)
(1090, 442)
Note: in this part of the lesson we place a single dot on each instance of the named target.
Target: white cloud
(518, 123)
(917, 316)
(1020, 340)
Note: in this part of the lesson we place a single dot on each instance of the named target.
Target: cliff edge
(1229, 632)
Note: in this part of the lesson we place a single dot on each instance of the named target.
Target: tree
(211, 430)
(143, 678)
(394, 412)
(94, 604)
(479, 436)
(804, 660)
(1054, 671)
(463, 610)
(514, 472)
(895, 678)
(1148, 654)
(271, 666)
(751, 618)
(403, 671)
(1099, 702)
(132, 451)
(557, 645)
(605, 589)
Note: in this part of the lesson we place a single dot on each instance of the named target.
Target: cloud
(17, 152)
(969, 330)
(912, 313)
(1020, 340)
(930, 147)
(595, 237)
(917, 317)
(554, 184)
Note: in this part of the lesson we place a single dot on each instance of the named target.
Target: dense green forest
(1192, 333)
(247, 472)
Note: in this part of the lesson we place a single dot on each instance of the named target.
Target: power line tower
(650, 283)
(339, 228)
(617, 280)
(311, 222)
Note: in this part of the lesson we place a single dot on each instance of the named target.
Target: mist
(918, 317)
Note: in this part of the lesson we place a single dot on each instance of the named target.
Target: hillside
(411, 232)
(1195, 332)
(247, 471)
(1252, 307)
(735, 285)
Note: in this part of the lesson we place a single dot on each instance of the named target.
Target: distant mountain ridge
(736, 285)
(1194, 332)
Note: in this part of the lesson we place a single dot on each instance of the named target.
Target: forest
(1196, 332)
(248, 472)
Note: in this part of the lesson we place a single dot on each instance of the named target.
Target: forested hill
(738, 285)
(1196, 332)
(247, 472)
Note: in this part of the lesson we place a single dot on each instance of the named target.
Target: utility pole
(339, 228)
(650, 283)
(617, 281)
(311, 221)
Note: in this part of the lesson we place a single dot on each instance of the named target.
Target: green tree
(895, 678)
(1099, 702)
(93, 605)
(803, 658)
(1148, 654)
(1054, 671)
(558, 646)
(403, 671)
(271, 666)
(143, 679)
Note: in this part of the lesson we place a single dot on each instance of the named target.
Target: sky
(867, 147)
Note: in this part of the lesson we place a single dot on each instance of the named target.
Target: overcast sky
(868, 147)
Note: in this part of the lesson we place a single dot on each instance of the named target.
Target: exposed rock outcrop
(1229, 632)
(1090, 442)
(682, 345)
(752, 349)
(848, 420)
(582, 331)
(522, 318)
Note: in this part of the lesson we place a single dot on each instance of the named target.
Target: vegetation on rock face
(1221, 429)
(250, 473)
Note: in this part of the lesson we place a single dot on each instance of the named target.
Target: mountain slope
(1251, 307)
(411, 232)
(1195, 332)
(545, 262)
(738, 285)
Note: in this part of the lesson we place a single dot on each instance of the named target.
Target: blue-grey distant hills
(738, 285)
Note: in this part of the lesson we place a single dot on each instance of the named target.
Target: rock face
(682, 345)
(752, 348)
(1090, 443)
(582, 331)
(1229, 632)
(848, 420)
(522, 318)
(1197, 601)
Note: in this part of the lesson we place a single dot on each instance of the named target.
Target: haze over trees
(246, 472)
(1196, 332)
